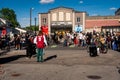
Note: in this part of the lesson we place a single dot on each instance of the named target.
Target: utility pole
(31, 16)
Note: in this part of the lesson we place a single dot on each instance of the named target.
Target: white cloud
(113, 8)
(81, 2)
(46, 1)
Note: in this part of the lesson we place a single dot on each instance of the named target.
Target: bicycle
(103, 48)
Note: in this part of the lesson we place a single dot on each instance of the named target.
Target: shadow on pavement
(4, 52)
(50, 57)
(10, 59)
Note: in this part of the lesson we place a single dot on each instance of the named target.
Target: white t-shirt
(45, 41)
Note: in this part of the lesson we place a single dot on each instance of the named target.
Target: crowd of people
(112, 40)
(100, 40)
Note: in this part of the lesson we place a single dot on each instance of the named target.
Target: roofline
(117, 10)
(80, 11)
(61, 7)
(76, 11)
(43, 13)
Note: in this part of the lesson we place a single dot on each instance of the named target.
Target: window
(54, 16)
(61, 16)
(68, 18)
(44, 20)
(78, 19)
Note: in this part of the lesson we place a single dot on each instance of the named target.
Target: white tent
(21, 30)
(3, 20)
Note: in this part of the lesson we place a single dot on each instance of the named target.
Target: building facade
(117, 12)
(102, 23)
(62, 19)
(68, 19)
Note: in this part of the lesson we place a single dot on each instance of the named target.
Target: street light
(31, 16)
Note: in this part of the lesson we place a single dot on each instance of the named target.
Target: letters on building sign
(62, 23)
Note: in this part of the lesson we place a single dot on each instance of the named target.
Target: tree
(33, 28)
(10, 15)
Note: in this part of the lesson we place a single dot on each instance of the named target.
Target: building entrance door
(61, 28)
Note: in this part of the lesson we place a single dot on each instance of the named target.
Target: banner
(78, 29)
(44, 29)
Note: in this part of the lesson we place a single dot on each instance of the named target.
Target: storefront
(61, 28)
(110, 28)
(62, 19)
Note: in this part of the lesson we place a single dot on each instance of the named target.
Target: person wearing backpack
(41, 43)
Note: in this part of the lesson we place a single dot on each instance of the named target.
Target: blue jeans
(39, 54)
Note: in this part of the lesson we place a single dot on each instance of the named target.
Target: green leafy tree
(10, 15)
(33, 28)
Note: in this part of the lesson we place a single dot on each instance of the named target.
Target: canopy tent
(21, 30)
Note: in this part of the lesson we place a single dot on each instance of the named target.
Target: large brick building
(103, 23)
(68, 19)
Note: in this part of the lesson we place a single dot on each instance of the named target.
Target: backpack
(40, 42)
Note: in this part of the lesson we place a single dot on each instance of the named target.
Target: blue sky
(92, 7)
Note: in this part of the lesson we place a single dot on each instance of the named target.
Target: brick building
(68, 19)
(103, 23)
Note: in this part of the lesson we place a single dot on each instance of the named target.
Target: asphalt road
(60, 64)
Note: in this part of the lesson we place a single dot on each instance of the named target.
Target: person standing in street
(17, 42)
(41, 43)
(29, 47)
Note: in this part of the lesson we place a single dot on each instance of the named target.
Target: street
(60, 64)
